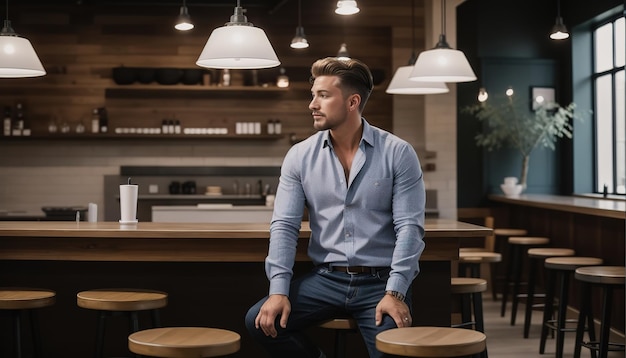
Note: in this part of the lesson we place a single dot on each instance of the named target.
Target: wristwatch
(395, 294)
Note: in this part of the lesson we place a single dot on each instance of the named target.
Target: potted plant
(509, 124)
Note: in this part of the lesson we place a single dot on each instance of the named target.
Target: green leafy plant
(510, 125)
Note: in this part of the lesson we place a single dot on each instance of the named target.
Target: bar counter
(212, 272)
(593, 227)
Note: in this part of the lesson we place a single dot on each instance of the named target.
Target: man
(364, 192)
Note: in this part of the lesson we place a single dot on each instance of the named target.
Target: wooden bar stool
(184, 342)
(537, 256)
(20, 300)
(431, 342)
(469, 290)
(124, 301)
(501, 245)
(518, 246)
(470, 260)
(342, 327)
(563, 267)
(608, 278)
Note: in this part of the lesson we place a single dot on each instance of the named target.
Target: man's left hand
(396, 309)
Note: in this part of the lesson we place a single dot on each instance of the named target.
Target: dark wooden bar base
(200, 294)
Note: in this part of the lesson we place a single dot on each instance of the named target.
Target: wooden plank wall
(80, 44)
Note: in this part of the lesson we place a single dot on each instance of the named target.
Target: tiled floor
(504, 340)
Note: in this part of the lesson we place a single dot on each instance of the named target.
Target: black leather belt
(354, 270)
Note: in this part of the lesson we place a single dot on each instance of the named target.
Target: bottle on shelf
(104, 120)
(19, 119)
(177, 126)
(7, 122)
(226, 77)
(270, 127)
(95, 121)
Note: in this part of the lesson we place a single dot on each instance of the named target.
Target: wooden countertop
(589, 206)
(150, 241)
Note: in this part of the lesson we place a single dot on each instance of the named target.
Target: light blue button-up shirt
(375, 219)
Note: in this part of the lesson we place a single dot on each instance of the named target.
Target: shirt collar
(367, 136)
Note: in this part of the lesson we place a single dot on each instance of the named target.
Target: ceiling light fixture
(345, 7)
(17, 55)
(442, 63)
(299, 41)
(183, 22)
(400, 83)
(483, 95)
(238, 45)
(559, 31)
(343, 53)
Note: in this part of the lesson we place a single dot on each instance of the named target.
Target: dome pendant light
(238, 45)
(183, 22)
(17, 55)
(400, 83)
(559, 31)
(299, 41)
(442, 64)
(345, 7)
(343, 54)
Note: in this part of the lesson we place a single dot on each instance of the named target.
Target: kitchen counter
(212, 213)
(212, 272)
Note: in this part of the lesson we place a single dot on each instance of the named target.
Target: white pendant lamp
(343, 54)
(559, 31)
(299, 41)
(442, 64)
(400, 83)
(17, 55)
(345, 7)
(238, 45)
(183, 22)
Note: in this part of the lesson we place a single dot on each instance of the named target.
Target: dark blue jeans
(321, 295)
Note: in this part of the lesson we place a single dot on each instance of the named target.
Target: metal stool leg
(17, 329)
(34, 326)
(507, 278)
(530, 297)
(561, 319)
(100, 334)
(517, 278)
(548, 309)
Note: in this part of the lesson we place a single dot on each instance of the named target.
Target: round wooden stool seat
(479, 256)
(510, 232)
(542, 253)
(528, 240)
(184, 342)
(604, 275)
(459, 285)
(121, 299)
(571, 263)
(21, 298)
(431, 342)
(339, 323)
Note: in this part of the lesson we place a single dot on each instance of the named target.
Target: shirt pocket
(377, 193)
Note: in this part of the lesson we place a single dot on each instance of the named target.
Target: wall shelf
(158, 91)
(91, 136)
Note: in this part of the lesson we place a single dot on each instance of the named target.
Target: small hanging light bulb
(482, 95)
(509, 92)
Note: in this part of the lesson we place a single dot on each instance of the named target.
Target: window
(609, 108)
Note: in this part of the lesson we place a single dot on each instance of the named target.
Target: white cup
(92, 213)
(510, 181)
(128, 203)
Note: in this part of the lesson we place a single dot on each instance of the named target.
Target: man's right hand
(274, 306)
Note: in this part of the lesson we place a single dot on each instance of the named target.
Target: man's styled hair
(354, 76)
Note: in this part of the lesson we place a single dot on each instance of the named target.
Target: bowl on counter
(168, 75)
(511, 190)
